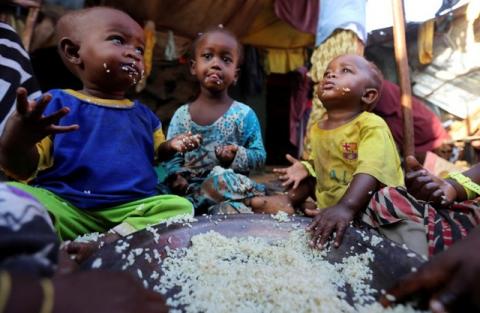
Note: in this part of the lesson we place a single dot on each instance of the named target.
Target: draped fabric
(16, 71)
(254, 22)
(301, 86)
(341, 14)
(187, 17)
(301, 14)
(443, 227)
(428, 130)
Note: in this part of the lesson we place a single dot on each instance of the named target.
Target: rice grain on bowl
(252, 274)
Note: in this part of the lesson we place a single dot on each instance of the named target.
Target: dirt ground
(269, 178)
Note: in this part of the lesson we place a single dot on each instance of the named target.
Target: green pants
(71, 222)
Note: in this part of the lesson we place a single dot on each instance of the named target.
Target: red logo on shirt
(350, 150)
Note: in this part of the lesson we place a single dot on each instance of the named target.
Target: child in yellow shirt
(353, 153)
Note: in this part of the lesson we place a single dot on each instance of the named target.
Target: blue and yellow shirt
(109, 160)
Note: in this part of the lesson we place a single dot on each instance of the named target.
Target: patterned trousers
(443, 227)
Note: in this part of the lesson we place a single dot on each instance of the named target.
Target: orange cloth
(425, 42)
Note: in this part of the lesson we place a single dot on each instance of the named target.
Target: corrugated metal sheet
(458, 94)
(452, 81)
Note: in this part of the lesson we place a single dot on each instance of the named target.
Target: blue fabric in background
(340, 14)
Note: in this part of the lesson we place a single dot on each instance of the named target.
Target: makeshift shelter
(279, 37)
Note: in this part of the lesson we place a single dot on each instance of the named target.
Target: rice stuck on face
(251, 274)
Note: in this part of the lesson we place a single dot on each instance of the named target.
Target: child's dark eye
(207, 56)
(139, 51)
(118, 40)
(346, 70)
(227, 60)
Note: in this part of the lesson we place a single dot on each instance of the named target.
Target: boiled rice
(251, 274)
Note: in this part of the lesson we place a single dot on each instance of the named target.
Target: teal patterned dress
(212, 188)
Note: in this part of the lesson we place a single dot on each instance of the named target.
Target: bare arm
(86, 291)
(474, 174)
(26, 127)
(449, 281)
(337, 217)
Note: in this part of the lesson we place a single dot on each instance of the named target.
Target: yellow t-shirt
(363, 145)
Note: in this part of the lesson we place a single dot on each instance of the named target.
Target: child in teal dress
(214, 176)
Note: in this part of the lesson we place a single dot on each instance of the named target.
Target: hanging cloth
(425, 42)
(150, 38)
(282, 61)
(301, 14)
(170, 50)
(341, 14)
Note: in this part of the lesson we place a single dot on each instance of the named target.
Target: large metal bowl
(391, 261)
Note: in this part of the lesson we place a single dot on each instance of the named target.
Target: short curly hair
(216, 29)
(376, 78)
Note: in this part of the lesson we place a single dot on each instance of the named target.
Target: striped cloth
(443, 227)
(15, 71)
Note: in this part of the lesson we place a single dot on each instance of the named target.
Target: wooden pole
(403, 75)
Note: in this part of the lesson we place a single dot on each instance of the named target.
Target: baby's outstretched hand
(226, 154)
(293, 174)
(186, 142)
(327, 221)
(29, 125)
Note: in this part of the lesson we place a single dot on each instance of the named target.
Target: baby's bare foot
(80, 251)
(271, 204)
(66, 264)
